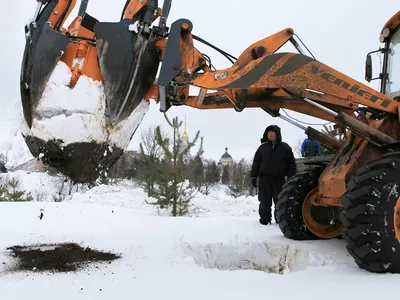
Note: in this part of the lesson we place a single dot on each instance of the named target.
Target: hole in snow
(265, 257)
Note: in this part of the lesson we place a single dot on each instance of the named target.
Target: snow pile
(15, 150)
(124, 195)
(129, 195)
(218, 203)
(253, 255)
(42, 186)
(78, 114)
(12, 144)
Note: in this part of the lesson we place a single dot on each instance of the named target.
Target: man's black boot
(265, 222)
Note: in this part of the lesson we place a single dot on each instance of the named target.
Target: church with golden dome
(226, 159)
(185, 143)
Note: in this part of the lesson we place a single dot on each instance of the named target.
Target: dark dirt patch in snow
(57, 258)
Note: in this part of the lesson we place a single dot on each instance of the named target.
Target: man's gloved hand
(254, 182)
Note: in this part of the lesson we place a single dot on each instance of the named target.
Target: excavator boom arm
(259, 69)
(260, 77)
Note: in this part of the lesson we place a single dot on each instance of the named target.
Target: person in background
(273, 163)
(310, 147)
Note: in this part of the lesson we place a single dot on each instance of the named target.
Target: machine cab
(392, 80)
(390, 76)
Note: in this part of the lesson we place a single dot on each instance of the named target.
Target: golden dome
(185, 135)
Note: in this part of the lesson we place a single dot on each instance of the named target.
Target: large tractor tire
(371, 215)
(298, 219)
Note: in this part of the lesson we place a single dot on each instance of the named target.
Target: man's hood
(275, 128)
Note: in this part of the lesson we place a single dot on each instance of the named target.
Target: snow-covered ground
(220, 252)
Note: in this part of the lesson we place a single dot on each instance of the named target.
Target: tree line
(169, 174)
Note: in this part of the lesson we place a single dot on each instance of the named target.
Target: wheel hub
(318, 219)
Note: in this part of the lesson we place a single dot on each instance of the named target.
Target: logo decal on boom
(348, 87)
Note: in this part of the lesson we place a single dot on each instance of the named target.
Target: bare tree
(196, 172)
(211, 176)
(150, 155)
(240, 174)
(61, 183)
(297, 148)
(225, 177)
(149, 142)
(247, 164)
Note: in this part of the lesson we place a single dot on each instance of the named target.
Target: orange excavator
(355, 195)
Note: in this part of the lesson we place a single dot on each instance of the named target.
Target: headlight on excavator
(384, 35)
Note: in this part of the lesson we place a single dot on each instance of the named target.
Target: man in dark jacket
(273, 161)
(310, 147)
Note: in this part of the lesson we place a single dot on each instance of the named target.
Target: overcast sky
(339, 33)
